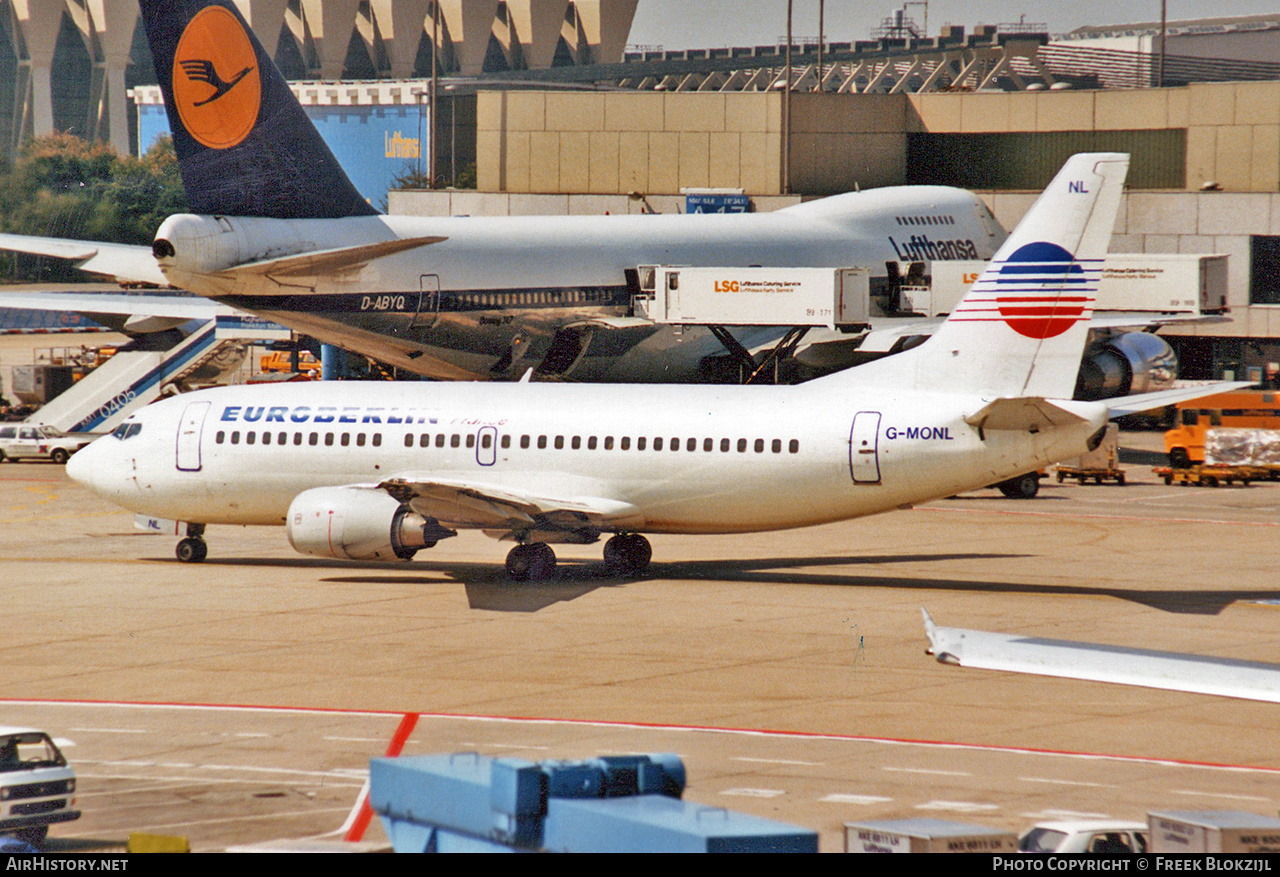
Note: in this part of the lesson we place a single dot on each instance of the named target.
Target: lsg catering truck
(37, 786)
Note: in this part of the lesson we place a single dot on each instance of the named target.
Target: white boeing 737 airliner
(376, 471)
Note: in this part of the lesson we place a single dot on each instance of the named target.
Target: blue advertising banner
(374, 144)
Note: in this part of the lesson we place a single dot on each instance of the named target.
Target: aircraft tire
(627, 553)
(534, 562)
(191, 550)
(1022, 487)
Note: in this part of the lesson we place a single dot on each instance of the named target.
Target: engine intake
(358, 523)
(1135, 362)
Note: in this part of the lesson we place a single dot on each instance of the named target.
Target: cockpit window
(127, 430)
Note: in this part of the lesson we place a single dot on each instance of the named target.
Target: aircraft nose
(78, 468)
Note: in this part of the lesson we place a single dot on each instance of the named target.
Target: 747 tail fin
(1020, 330)
(244, 144)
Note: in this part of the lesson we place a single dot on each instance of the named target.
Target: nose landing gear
(192, 549)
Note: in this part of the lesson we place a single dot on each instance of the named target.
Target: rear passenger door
(864, 448)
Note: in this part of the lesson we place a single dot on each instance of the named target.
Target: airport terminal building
(539, 105)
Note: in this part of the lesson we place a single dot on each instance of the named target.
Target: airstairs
(133, 378)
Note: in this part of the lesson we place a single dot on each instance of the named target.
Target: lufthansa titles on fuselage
(919, 248)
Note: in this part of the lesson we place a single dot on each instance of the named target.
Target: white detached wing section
(1102, 663)
(514, 512)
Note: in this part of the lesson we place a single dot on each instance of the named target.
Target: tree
(62, 186)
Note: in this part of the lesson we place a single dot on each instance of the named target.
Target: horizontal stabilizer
(131, 263)
(1171, 671)
(1122, 405)
(331, 261)
(1029, 413)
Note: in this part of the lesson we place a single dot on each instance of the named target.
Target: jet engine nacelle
(355, 523)
(1135, 362)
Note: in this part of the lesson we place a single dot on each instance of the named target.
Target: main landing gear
(625, 554)
(193, 548)
(531, 561)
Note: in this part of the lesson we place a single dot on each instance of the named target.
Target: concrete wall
(620, 142)
(660, 142)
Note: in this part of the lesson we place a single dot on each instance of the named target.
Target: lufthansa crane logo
(216, 86)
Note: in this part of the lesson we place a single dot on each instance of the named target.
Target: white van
(37, 786)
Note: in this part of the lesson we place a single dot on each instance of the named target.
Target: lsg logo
(726, 286)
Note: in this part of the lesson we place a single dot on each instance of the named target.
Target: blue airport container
(628, 803)
(656, 823)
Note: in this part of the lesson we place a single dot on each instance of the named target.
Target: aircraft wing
(511, 511)
(132, 263)
(1172, 671)
(134, 314)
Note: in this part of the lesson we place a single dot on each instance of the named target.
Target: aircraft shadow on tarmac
(489, 588)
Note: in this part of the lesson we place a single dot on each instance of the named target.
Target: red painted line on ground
(364, 814)
(655, 726)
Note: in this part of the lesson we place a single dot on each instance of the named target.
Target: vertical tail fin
(244, 144)
(1021, 329)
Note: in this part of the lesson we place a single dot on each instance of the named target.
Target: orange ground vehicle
(1258, 409)
(281, 361)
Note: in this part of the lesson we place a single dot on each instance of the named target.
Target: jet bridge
(792, 299)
